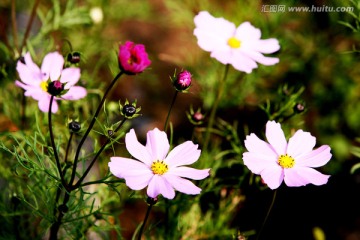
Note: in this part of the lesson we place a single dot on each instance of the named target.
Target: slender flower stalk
(267, 214)
(220, 91)
(151, 202)
(168, 115)
(29, 24)
(14, 24)
(78, 183)
(53, 143)
(91, 126)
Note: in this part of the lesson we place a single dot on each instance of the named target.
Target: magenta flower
(291, 161)
(133, 58)
(51, 79)
(241, 47)
(162, 172)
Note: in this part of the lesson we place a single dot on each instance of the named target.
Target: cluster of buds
(128, 110)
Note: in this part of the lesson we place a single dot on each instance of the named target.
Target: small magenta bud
(129, 110)
(73, 57)
(182, 81)
(299, 108)
(74, 126)
(198, 117)
(55, 88)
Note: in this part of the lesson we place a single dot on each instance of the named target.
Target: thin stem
(68, 147)
(220, 89)
(14, 24)
(91, 126)
(53, 143)
(168, 115)
(23, 110)
(144, 222)
(54, 229)
(78, 183)
(267, 214)
(28, 27)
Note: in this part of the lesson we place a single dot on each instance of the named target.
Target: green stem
(78, 183)
(145, 220)
(14, 25)
(267, 215)
(91, 126)
(53, 143)
(28, 27)
(168, 115)
(220, 89)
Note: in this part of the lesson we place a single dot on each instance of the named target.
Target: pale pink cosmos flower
(239, 46)
(291, 161)
(161, 171)
(35, 81)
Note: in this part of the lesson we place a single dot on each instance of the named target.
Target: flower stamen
(286, 161)
(234, 42)
(159, 167)
(44, 86)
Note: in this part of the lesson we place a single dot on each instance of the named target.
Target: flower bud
(55, 88)
(73, 57)
(129, 110)
(133, 58)
(63, 208)
(196, 118)
(74, 126)
(151, 201)
(299, 108)
(182, 81)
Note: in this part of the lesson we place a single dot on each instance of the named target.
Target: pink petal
(212, 32)
(70, 76)
(182, 185)
(30, 64)
(53, 64)
(136, 174)
(136, 149)
(301, 176)
(276, 137)
(256, 145)
(44, 104)
(29, 73)
(300, 143)
(270, 45)
(257, 162)
(183, 154)
(159, 185)
(187, 172)
(315, 158)
(273, 176)
(157, 144)
(242, 62)
(258, 57)
(75, 93)
(247, 32)
(37, 94)
(223, 55)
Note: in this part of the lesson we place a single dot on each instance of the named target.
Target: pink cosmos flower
(291, 161)
(162, 172)
(36, 82)
(133, 58)
(241, 47)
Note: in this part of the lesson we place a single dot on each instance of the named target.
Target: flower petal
(276, 137)
(212, 32)
(300, 143)
(315, 158)
(301, 176)
(258, 57)
(273, 176)
(53, 64)
(182, 185)
(256, 145)
(270, 45)
(247, 32)
(257, 162)
(29, 72)
(136, 149)
(70, 76)
(75, 93)
(159, 185)
(136, 174)
(157, 144)
(44, 104)
(188, 172)
(183, 154)
(242, 62)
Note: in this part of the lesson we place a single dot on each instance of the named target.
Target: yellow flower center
(286, 161)
(159, 167)
(233, 42)
(44, 86)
